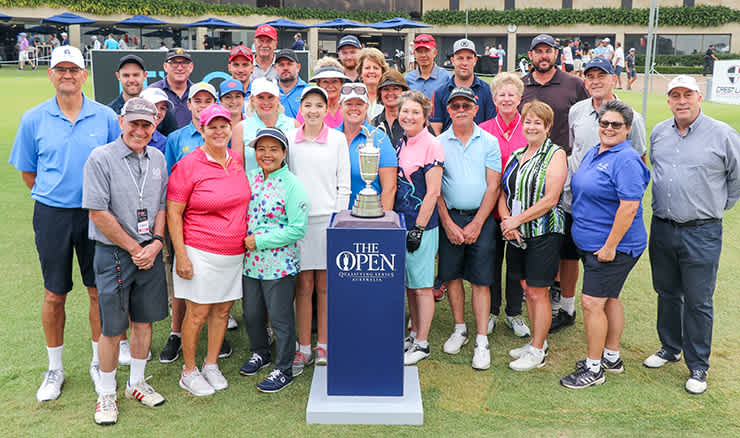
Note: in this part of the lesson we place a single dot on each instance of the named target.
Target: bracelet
(160, 238)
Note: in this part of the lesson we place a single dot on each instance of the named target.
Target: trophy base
(367, 206)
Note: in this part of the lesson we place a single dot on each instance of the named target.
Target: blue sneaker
(253, 365)
(276, 381)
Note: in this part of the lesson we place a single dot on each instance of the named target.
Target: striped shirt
(525, 183)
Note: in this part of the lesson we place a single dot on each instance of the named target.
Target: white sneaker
(455, 342)
(517, 324)
(408, 342)
(195, 383)
(51, 387)
(697, 383)
(482, 357)
(232, 324)
(95, 376)
(124, 353)
(214, 377)
(530, 359)
(660, 358)
(491, 323)
(106, 409)
(416, 353)
(144, 393)
(516, 353)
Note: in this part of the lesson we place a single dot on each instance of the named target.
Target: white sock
(123, 342)
(593, 364)
(176, 334)
(95, 358)
(461, 328)
(537, 350)
(322, 346)
(568, 304)
(412, 334)
(108, 382)
(305, 349)
(422, 344)
(611, 355)
(55, 357)
(136, 372)
(481, 340)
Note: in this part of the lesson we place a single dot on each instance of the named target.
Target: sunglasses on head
(349, 89)
(457, 106)
(606, 123)
(423, 40)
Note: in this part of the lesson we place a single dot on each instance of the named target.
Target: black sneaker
(562, 319)
(276, 381)
(616, 367)
(171, 350)
(225, 350)
(254, 364)
(583, 378)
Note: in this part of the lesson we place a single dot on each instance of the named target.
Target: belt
(694, 223)
(463, 212)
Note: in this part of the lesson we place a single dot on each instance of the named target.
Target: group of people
(28, 48)
(208, 196)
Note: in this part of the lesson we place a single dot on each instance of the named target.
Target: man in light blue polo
(290, 82)
(51, 146)
(470, 189)
(428, 77)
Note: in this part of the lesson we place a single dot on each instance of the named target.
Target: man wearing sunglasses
(428, 77)
(51, 147)
(583, 134)
(178, 66)
(464, 60)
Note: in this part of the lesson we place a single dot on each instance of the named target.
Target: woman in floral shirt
(277, 219)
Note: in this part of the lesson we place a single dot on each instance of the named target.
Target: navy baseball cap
(542, 39)
(270, 132)
(349, 40)
(601, 63)
(462, 92)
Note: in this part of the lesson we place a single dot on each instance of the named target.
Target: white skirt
(313, 245)
(217, 278)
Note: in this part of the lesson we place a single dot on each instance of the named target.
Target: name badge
(142, 221)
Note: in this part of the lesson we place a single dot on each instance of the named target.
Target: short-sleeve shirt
(600, 183)
(180, 143)
(510, 135)
(158, 141)
(291, 100)
(111, 44)
(216, 201)
(464, 178)
(271, 73)
(416, 156)
(56, 149)
(114, 176)
(250, 127)
(483, 97)
(180, 103)
(437, 78)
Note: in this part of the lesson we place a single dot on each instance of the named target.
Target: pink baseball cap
(266, 30)
(212, 112)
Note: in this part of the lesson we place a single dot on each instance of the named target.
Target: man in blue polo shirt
(291, 84)
(464, 60)
(51, 146)
(428, 77)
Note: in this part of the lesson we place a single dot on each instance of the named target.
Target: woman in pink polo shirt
(207, 200)
(507, 91)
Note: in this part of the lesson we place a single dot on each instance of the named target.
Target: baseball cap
(542, 39)
(463, 44)
(349, 40)
(264, 85)
(329, 72)
(316, 90)
(22, 34)
(241, 51)
(266, 30)
(212, 112)
(286, 53)
(130, 59)
(138, 108)
(67, 54)
(683, 81)
(601, 63)
(202, 86)
(632, 49)
(270, 132)
(178, 52)
(230, 85)
(606, 40)
(424, 40)
(353, 90)
(462, 92)
(156, 95)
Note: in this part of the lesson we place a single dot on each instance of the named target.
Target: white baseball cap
(683, 81)
(156, 95)
(264, 85)
(353, 90)
(67, 54)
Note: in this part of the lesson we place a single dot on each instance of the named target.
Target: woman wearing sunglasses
(610, 235)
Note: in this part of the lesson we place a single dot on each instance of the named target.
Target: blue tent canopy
(398, 23)
(214, 23)
(141, 20)
(105, 31)
(67, 18)
(160, 34)
(339, 24)
(4, 17)
(282, 23)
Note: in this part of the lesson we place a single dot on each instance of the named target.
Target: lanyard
(143, 182)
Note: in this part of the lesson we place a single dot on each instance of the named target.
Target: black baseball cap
(349, 40)
(130, 59)
(286, 53)
(462, 92)
(178, 52)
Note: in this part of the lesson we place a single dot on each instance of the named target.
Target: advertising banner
(725, 87)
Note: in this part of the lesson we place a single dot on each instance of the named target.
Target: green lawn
(458, 401)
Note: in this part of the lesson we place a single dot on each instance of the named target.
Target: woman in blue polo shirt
(610, 234)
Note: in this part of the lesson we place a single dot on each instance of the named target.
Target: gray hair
(619, 107)
(418, 97)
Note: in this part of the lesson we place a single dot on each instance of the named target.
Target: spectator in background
(501, 55)
(95, 43)
(289, 80)
(122, 42)
(65, 39)
(577, 52)
(23, 48)
(163, 47)
(348, 50)
(609, 49)
(111, 43)
(428, 76)
(709, 58)
(53, 41)
(265, 43)
(298, 43)
(568, 57)
(630, 65)
(618, 63)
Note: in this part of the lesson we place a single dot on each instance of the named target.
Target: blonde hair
(374, 55)
(507, 78)
(252, 111)
(541, 110)
(327, 61)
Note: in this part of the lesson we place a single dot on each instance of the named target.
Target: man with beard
(348, 50)
(265, 43)
(241, 66)
(428, 76)
(291, 84)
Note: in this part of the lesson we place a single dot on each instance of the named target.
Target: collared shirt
(166, 126)
(291, 100)
(158, 141)
(562, 92)
(250, 127)
(114, 176)
(510, 136)
(111, 44)
(278, 217)
(182, 112)
(180, 143)
(395, 132)
(387, 157)
(258, 72)
(618, 59)
(603, 180)
(583, 134)
(23, 45)
(298, 44)
(695, 175)
(428, 86)
(117, 104)
(486, 108)
(464, 178)
(56, 149)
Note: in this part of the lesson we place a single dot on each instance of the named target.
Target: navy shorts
(618, 70)
(605, 279)
(125, 291)
(539, 263)
(569, 250)
(471, 262)
(59, 232)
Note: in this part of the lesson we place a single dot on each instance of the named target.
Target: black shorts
(539, 263)
(569, 250)
(605, 279)
(471, 262)
(127, 292)
(59, 232)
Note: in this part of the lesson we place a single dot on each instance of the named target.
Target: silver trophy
(367, 203)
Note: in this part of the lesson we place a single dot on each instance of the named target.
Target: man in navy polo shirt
(464, 60)
(51, 146)
(291, 84)
(428, 77)
(178, 65)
